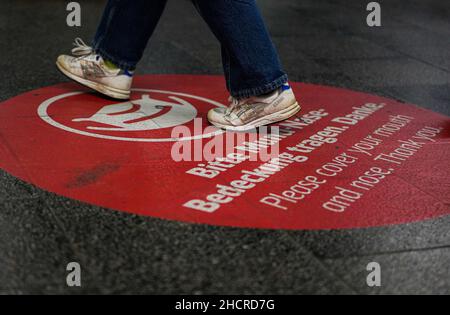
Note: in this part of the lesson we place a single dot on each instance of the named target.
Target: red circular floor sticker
(347, 160)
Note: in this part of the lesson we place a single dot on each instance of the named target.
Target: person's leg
(125, 29)
(254, 76)
(250, 61)
(121, 38)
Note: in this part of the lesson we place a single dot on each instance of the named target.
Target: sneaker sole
(263, 121)
(101, 88)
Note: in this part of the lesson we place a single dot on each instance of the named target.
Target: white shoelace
(81, 49)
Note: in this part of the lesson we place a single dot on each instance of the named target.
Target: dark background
(323, 42)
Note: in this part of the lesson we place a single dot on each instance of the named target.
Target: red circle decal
(347, 160)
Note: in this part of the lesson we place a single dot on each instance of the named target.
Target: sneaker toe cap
(64, 60)
(66, 63)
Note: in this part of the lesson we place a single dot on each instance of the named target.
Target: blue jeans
(250, 61)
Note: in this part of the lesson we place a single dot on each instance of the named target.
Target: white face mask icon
(157, 117)
(141, 115)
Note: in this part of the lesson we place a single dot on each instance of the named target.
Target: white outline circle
(43, 114)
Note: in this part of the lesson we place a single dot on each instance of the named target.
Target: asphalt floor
(323, 42)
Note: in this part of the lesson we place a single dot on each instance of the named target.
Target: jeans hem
(260, 90)
(124, 65)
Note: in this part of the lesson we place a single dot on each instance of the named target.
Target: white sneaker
(90, 70)
(254, 112)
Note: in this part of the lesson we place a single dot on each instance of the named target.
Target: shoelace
(234, 103)
(81, 49)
